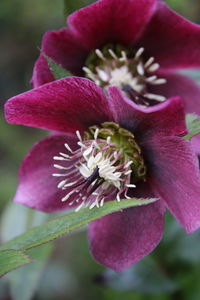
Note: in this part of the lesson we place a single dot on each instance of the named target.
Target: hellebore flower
(134, 44)
(137, 45)
(107, 148)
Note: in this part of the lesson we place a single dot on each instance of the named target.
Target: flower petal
(121, 239)
(64, 105)
(171, 39)
(37, 187)
(174, 177)
(41, 72)
(167, 118)
(109, 22)
(65, 48)
(183, 86)
(186, 88)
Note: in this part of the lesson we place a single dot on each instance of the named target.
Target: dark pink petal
(108, 21)
(65, 48)
(188, 89)
(64, 105)
(167, 118)
(37, 187)
(183, 86)
(174, 177)
(171, 39)
(196, 143)
(121, 239)
(41, 72)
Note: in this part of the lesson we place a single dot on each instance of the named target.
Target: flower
(137, 45)
(108, 148)
(143, 40)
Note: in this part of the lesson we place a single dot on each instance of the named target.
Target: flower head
(136, 45)
(107, 148)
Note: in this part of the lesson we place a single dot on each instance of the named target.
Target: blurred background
(65, 269)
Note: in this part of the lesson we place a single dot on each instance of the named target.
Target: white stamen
(149, 62)
(96, 133)
(79, 135)
(59, 158)
(131, 185)
(123, 57)
(140, 69)
(60, 167)
(139, 52)
(154, 67)
(128, 164)
(112, 53)
(68, 147)
(61, 184)
(68, 195)
(159, 81)
(64, 155)
(79, 207)
(100, 54)
(128, 172)
(155, 97)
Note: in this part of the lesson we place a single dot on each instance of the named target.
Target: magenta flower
(124, 43)
(107, 148)
(135, 44)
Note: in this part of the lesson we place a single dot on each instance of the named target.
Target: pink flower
(107, 148)
(147, 29)
(153, 40)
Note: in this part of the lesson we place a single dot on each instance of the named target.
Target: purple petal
(167, 118)
(64, 105)
(109, 22)
(121, 239)
(174, 177)
(65, 48)
(171, 39)
(37, 187)
(41, 72)
(183, 86)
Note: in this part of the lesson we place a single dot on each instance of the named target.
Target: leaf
(57, 70)
(70, 5)
(12, 259)
(62, 225)
(193, 126)
(146, 277)
(30, 275)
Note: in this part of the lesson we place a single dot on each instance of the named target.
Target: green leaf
(193, 126)
(30, 275)
(70, 5)
(57, 70)
(12, 259)
(62, 225)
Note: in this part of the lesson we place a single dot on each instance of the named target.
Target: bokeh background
(65, 269)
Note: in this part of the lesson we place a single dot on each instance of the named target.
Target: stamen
(155, 97)
(100, 54)
(139, 52)
(68, 148)
(129, 74)
(112, 53)
(79, 135)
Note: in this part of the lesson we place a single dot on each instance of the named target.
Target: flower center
(123, 68)
(107, 163)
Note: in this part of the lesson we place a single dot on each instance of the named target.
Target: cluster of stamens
(95, 172)
(131, 74)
